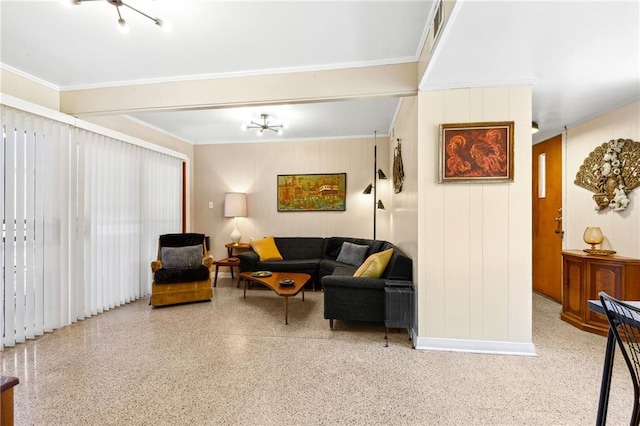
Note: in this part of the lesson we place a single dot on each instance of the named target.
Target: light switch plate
(210, 204)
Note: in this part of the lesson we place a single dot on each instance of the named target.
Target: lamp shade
(235, 204)
(593, 235)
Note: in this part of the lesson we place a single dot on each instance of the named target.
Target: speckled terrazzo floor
(234, 362)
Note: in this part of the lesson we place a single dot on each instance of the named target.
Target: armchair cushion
(266, 249)
(181, 275)
(375, 265)
(352, 254)
(181, 257)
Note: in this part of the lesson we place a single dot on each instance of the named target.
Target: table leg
(286, 310)
(244, 296)
(303, 294)
(605, 386)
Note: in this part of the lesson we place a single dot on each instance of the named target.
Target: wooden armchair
(182, 272)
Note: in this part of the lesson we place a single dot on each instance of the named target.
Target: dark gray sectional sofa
(346, 297)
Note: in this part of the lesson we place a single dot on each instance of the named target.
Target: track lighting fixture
(121, 21)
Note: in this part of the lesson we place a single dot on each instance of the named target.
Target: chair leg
(331, 323)
(635, 417)
(215, 279)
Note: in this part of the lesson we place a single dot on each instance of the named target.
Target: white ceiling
(581, 57)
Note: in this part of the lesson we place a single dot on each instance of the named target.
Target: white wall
(621, 229)
(474, 240)
(253, 168)
(403, 207)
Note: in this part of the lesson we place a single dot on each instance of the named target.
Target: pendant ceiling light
(121, 22)
(265, 125)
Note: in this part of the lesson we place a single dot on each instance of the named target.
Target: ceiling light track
(265, 125)
(121, 22)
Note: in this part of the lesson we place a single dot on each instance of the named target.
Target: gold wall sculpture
(611, 171)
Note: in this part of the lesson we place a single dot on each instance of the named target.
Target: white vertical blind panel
(49, 258)
(20, 193)
(9, 240)
(61, 211)
(3, 127)
(40, 190)
(81, 301)
(30, 228)
(82, 215)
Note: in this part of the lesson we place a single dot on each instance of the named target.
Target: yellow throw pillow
(266, 248)
(375, 265)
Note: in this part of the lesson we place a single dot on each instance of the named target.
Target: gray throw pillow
(352, 254)
(181, 257)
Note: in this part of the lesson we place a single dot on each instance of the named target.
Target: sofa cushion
(334, 245)
(375, 265)
(181, 275)
(289, 265)
(181, 257)
(266, 249)
(298, 248)
(352, 254)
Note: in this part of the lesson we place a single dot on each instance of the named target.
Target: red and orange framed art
(476, 152)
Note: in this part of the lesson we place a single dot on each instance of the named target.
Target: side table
(233, 248)
(231, 262)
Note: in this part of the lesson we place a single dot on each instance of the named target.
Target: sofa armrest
(155, 265)
(352, 282)
(248, 261)
(207, 261)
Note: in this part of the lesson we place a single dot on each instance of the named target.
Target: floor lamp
(235, 206)
(377, 174)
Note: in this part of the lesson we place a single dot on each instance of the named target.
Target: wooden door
(547, 218)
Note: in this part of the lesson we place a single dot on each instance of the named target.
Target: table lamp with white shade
(235, 206)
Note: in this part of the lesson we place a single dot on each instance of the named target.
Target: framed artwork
(476, 152)
(313, 192)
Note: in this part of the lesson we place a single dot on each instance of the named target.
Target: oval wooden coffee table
(273, 282)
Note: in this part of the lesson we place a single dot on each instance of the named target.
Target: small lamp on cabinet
(593, 235)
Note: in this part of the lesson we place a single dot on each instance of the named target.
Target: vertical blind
(81, 214)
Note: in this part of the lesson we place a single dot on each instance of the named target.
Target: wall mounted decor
(398, 169)
(313, 192)
(611, 171)
(476, 152)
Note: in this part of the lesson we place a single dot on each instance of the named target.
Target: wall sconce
(534, 128)
(235, 206)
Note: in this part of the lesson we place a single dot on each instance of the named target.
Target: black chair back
(624, 321)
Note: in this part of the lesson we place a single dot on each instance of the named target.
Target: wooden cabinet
(585, 275)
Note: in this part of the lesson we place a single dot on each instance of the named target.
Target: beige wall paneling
(621, 229)
(476, 293)
(431, 217)
(457, 219)
(253, 168)
(520, 220)
(495, 239)
(404, 205)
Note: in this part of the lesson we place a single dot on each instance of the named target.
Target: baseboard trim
(475, 346)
